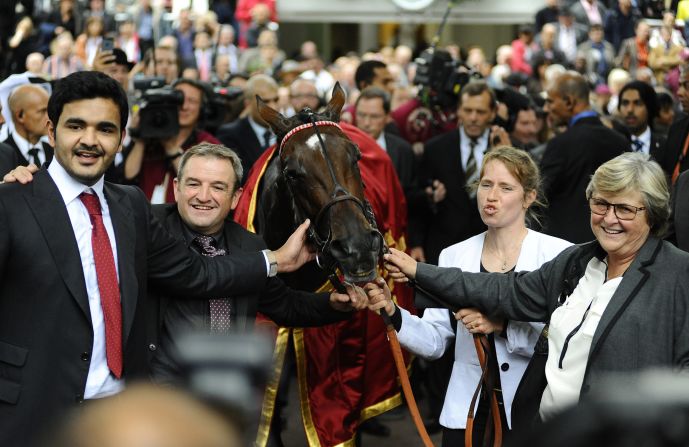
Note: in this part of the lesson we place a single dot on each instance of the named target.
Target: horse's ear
(275, 119)
(334, 107)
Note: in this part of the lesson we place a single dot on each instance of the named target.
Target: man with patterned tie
(207, 191)
(28, 105)
(638, 106)
(250, 136)
(450, 162)
(73, 305)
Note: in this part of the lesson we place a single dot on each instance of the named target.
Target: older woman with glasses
(617, 304)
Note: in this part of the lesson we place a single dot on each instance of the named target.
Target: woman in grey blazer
(619, 303)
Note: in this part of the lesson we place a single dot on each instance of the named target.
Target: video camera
(158, 109)
(224, 105)
(440, 78)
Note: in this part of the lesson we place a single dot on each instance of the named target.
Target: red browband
(305, 126)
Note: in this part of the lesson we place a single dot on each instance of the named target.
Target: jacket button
(152, 347)
(79, 398)
(85, 356)
(505, 366)
(585, 388)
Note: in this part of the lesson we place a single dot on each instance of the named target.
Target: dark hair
(476, 88)
(365, 73)
(573, 84)
(373, 93)
(665, 100)
(647, 95)
(87, 85)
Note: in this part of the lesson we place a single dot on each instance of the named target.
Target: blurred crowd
(617, 66)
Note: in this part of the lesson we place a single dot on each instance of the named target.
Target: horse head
(319, 166)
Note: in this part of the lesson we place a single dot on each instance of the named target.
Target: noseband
(324, 257)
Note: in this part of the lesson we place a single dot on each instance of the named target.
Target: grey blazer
(645, 325)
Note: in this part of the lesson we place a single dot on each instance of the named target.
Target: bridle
(324, 258)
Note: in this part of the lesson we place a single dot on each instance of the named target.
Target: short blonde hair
(636, 172)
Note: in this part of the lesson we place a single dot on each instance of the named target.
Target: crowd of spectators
(586, 81)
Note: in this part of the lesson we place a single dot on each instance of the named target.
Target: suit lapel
(51, 214)
(125, 241)
(392, 151)
(634, 278)
(21, 160)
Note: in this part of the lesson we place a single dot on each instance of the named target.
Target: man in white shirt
(76, 255)
(28, 105)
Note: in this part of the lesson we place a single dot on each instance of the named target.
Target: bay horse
(316, 176)
(315, 172)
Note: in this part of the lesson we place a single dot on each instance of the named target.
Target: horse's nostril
(339, 249)
(375, 241)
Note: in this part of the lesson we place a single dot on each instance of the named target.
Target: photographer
(152, 162)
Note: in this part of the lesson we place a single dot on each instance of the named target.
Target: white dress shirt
(24, 147)
(645, 139)
(465, 147)
(100, 382)
(381, 141)
(260, 131)
(565, 374)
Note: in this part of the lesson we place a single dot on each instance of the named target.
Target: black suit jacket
(46, 334)
(456, 217)
(285, 306)
(674, 145)
(568, 162)
(240, 137)
(679, 222)
(11, 156)
(404, 161)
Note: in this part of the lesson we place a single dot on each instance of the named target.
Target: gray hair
(216, 151)
(636, 172)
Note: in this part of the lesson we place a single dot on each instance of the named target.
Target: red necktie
(107, 284)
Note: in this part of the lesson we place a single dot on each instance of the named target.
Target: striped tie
(471, 171)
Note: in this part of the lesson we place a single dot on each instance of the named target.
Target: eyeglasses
(621, 210)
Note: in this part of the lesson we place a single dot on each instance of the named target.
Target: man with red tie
(76, 256)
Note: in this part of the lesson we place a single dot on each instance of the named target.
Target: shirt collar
(482, 141)
(23, 144)
(582, 115)
(69, 187)
(645, 137)
(381, 141)
(258, 129)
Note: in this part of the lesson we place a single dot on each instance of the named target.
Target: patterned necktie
(637, 144)
(471, 170)
(33, 152)
(220, 309)
(266, 139)
(107, 283)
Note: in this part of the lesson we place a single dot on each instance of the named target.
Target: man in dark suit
(638, 107)
(372, 111)
(679, 223)
(76, 255)
(450, 164)
(206, 191)
(674, 160)
(28, 105)
(250, 136)
(571, 157)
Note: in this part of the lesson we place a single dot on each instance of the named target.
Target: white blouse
(572, 326)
